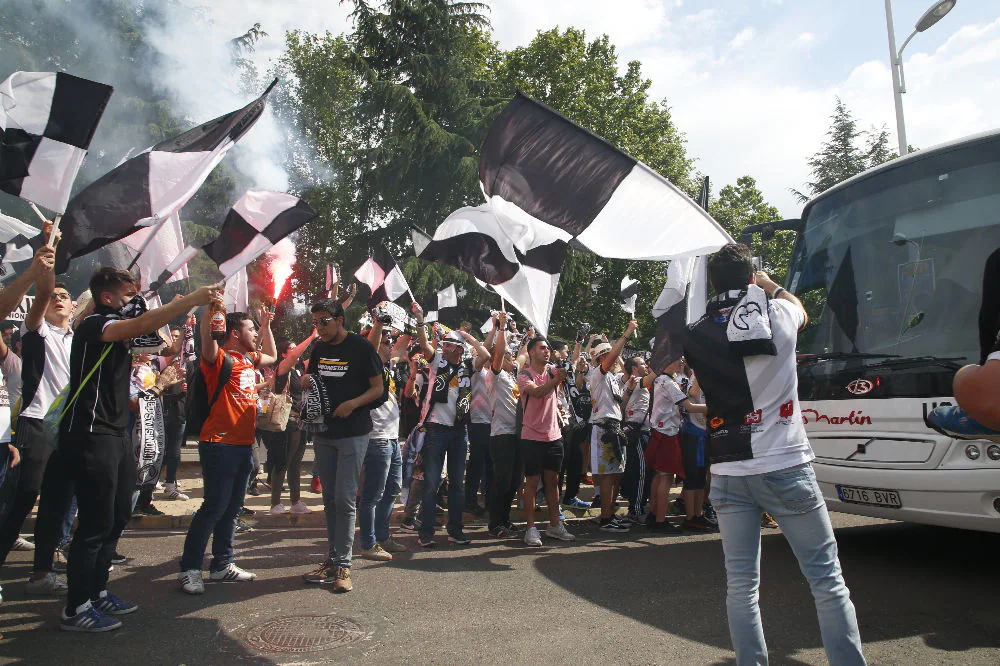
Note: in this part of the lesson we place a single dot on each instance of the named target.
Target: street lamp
(935, 13)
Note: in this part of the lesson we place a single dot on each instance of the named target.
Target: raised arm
(482, 353)
(776, 291)
(152, 320)
(268, 350)
(425, 346)
(616, 349)
(500, 348)
(10, 297)
(294, 353)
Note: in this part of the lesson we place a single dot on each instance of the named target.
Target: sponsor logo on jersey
(716, 422)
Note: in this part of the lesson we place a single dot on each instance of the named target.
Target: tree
(841, 157)
(740, 205)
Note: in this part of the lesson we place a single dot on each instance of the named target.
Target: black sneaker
(426, 541)
(699, 525)
(460, 538)
(408, 525)
(148, 510)
(666, 527)
(710, 515)
(613, 525)
(118, 558)
(626, 520)
(242, 527)
(246, 512)
(475, 509)
(514, 529)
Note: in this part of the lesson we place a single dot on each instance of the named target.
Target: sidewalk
(179, 512)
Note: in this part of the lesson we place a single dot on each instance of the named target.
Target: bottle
(217, 323)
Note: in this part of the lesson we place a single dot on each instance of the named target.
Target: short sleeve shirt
(540, 421)
(504, 395)
(102, 407)
(604, 386)
(233, 418)
(479, 411)
(45, 367)
(346, 370)
(665, 415)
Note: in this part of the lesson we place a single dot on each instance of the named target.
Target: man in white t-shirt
(760, 456)
(478, 469)
(607, 441)
(504, 446)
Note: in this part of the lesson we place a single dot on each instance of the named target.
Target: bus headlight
(972, 452)
(993, 451)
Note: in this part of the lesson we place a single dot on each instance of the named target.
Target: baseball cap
(454, 337)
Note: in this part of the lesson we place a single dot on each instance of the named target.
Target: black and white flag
(18, 242)
(254, 225)
(383, 276)
(147, 189)
(153, 249)
(474, 239)
(538, 168)
(630, 292)
(173, 268)
(447, 297)
(47, 120)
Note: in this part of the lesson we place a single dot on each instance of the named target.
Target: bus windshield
(892, 265)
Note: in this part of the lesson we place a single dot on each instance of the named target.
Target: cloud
(630, 22)
(742, 38)
(805, 38)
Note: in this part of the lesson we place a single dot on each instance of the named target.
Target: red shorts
(663, 453)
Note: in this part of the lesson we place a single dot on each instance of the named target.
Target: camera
(383, 318)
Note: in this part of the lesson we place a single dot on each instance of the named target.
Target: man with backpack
(222, 407)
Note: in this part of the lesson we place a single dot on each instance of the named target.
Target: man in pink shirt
(541, 438)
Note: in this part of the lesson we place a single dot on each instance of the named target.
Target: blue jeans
(338, 462)
(793, 498)
(225, 469)
(383, 477)
(438, 442)
(66, 528)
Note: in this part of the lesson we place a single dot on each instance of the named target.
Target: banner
(148, 437)
(20, 313)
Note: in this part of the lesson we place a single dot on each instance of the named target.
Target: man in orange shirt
(224, 445)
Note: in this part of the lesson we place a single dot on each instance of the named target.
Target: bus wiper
(918, 361)
(833, 356)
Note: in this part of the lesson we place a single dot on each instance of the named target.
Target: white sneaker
(300, 508)
(559, 532)
(159, 485)
(278, 510)
(48, 584)
(172, 492)
(231, 574)
(532, 537)
(22, 544)
(191, 581)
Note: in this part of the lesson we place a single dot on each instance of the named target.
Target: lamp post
(935, 13)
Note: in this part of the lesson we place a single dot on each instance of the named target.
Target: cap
(602, 348)
(454, 338)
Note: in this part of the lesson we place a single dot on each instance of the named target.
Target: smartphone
(758, 265)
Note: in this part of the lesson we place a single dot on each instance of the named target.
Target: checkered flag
(255, 224)
(47, 120)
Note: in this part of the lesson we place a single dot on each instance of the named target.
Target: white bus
(890, 266)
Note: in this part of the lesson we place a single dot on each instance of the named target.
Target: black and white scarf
(748, 328)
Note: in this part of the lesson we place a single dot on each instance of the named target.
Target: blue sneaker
(576, 503)
(89, 620)
(109, 604)
(952, 421)
(562, 518)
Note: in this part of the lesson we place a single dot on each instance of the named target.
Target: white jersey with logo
(503, 394)
(604, 386)
(638, 405)
(665, 416)
(480, 410)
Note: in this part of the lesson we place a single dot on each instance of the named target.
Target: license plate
(872, 496)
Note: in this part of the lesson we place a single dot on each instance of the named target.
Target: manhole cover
(304, 633)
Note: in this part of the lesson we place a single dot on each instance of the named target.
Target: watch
(777, 292)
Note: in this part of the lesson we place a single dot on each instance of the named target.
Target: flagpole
(149, 239)
(55, 223)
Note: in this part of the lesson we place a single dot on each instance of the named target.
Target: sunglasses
(322, 321)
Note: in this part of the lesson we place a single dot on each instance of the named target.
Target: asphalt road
(924, 596)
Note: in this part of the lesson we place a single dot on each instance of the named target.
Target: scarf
(747, 319)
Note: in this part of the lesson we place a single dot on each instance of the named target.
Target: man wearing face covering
(93, 438)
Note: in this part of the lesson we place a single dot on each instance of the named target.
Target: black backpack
(197, 406)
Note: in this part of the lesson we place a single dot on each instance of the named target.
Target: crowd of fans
(104, 401)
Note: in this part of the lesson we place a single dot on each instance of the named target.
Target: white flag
(237, 295)
(447, 298)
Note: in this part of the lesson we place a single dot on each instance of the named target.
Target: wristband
(777, 292)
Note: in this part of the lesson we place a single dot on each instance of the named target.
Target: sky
(751, 83)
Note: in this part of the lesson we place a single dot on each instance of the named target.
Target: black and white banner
(475, 240)
(629, 294)
(148, 437)
(383, 276)
(539, 169)
(47, 120)
(155, 248)
(254, 225)
(173, 268)
(147, 189)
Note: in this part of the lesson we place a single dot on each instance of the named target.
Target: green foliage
(740, 205)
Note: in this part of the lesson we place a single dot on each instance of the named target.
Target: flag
(630, 292)
(237, 294)
(152, 250)
(672, 313)
(447, 298)
(149, 188)
(474, 240)
(539, 169)
(254, 224)
(331, 279)
(176, 265)
(703, 193)
(47, 120)
(431, 317)
(383, 276)
(18, 242)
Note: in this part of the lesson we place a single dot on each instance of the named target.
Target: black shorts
(541, 456)
(691, 450)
